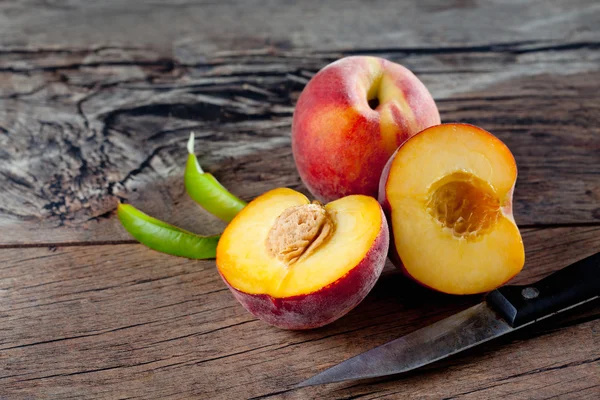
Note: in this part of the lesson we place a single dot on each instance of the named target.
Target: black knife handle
(572, 285)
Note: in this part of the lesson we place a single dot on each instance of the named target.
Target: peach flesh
(447, 193)
(296, 275)
(465, 204)
(322, 307)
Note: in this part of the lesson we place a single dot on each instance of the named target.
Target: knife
(504, 310)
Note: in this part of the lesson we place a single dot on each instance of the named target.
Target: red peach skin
(340, 144)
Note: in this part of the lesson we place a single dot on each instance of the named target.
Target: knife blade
(504, 310)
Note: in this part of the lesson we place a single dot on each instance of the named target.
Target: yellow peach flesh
(248, 266)
(449, 191)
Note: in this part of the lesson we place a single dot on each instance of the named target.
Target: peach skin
(350, 118)
(301, 265)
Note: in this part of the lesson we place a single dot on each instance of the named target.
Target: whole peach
(349, 120)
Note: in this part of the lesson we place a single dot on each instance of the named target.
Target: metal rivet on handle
(530, 293)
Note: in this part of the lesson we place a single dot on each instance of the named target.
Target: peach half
(350, 118)
(447, 193)
(300, 265)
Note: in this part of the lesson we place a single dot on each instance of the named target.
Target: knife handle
(566, 288)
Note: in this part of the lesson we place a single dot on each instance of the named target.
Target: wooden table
(96, 102)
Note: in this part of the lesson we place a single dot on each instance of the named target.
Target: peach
(349, 120)
(300, 265)
(447, 193)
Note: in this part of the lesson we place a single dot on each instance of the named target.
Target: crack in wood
(68, 244)
(480, 389)
(63, 50)
(546, 369)
(195, 334)
(572, 391)
(519, 47)
(164, 65)
(90, 371)
(272, 394)
(195, 300)
(75, 337)
(230, 355)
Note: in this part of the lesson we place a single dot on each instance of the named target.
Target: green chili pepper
(205, 190)
(166, 238)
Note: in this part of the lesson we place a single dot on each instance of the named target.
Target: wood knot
(298, 232)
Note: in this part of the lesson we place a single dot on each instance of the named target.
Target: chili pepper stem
(190, 147)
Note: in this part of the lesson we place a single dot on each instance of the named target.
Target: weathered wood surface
(122, 320)
(72, 150)
(96, 102)
(81, 128)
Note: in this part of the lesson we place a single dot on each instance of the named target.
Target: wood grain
(83, 129)
(122, 320)
(96, 102)
(208, 26)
